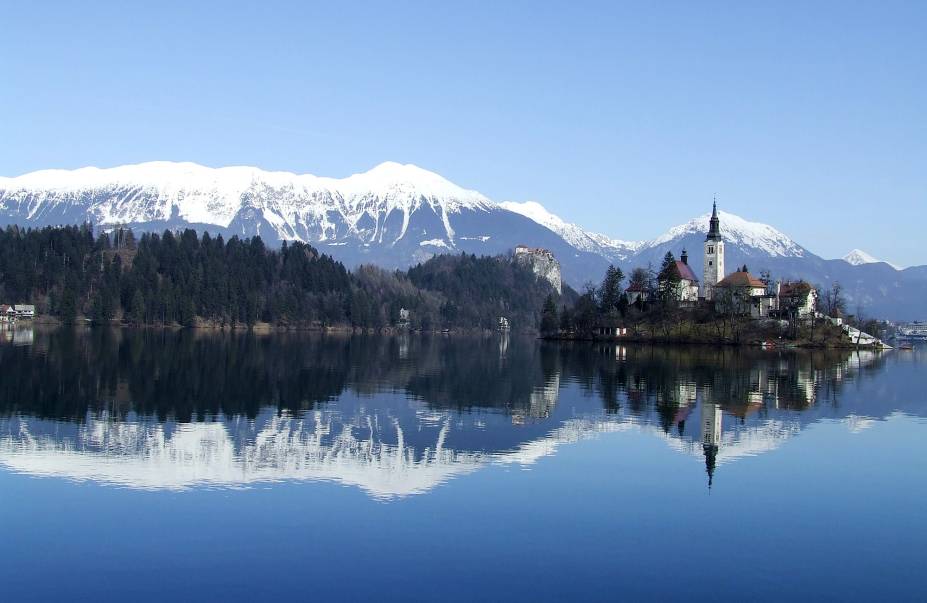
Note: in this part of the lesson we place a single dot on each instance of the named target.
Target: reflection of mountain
(148, 454)
(392, 416)
(151, 455)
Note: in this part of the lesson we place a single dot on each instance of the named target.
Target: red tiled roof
(800, 288)
(685, 271)
(740, 279)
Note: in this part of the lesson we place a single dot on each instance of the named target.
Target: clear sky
(623, 118)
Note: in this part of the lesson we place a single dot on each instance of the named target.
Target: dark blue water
(180, 465)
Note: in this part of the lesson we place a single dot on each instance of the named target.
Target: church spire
(714, 224)
(711, 460)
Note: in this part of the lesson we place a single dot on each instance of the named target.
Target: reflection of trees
(743, 381)
(188, 375)
(178, 374)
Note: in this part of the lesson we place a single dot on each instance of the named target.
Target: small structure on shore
(611, 331)
(503, 324)
(24, 310)
(7, 313)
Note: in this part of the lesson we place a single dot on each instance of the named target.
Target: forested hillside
(188, 279)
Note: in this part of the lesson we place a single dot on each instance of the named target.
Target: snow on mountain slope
(858, 257)
(736, 230)
(393, 215)
(290, 203)
(571, 233)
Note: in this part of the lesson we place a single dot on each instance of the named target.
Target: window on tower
(709, 262)
(711, 249)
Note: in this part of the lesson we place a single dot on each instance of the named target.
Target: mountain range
(397, 215)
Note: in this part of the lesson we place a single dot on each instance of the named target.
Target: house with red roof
(635, 293)
(745, 294)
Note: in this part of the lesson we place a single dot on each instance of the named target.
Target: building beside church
(744, 294)
(687, 288)
(796, 299)
(713, 267)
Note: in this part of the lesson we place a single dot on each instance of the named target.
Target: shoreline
(268, 328)
(767, 344)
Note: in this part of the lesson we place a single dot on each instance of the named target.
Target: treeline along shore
(188, 279)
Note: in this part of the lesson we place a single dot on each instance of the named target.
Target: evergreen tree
(549, 318)
(668, 279)
(137, 309)
(611, 293)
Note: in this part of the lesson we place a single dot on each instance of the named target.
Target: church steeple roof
(714, 224)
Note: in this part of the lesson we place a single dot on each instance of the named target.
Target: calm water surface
(152, 465)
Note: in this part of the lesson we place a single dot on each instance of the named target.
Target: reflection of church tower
(713, 266)
(711, 436)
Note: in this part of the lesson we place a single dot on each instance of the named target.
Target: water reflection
(393, 416)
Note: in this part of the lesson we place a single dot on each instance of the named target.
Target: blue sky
(624, 118)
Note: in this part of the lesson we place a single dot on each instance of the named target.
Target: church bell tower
(713, 266)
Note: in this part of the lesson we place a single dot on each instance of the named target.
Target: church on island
(739, 291)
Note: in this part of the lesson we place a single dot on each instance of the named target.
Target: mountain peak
(737, 230)
(575, 235)
(858, 257)
(392, 176)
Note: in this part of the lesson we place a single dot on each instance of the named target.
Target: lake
(158, 465)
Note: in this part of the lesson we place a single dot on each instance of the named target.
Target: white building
(798, 299)
(24, 310)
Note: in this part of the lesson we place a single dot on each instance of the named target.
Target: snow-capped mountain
(295, 206)
(858, 257)
(762, 238)
(393, 215)
(613, 249)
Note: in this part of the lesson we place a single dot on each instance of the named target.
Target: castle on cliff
(542, 262)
